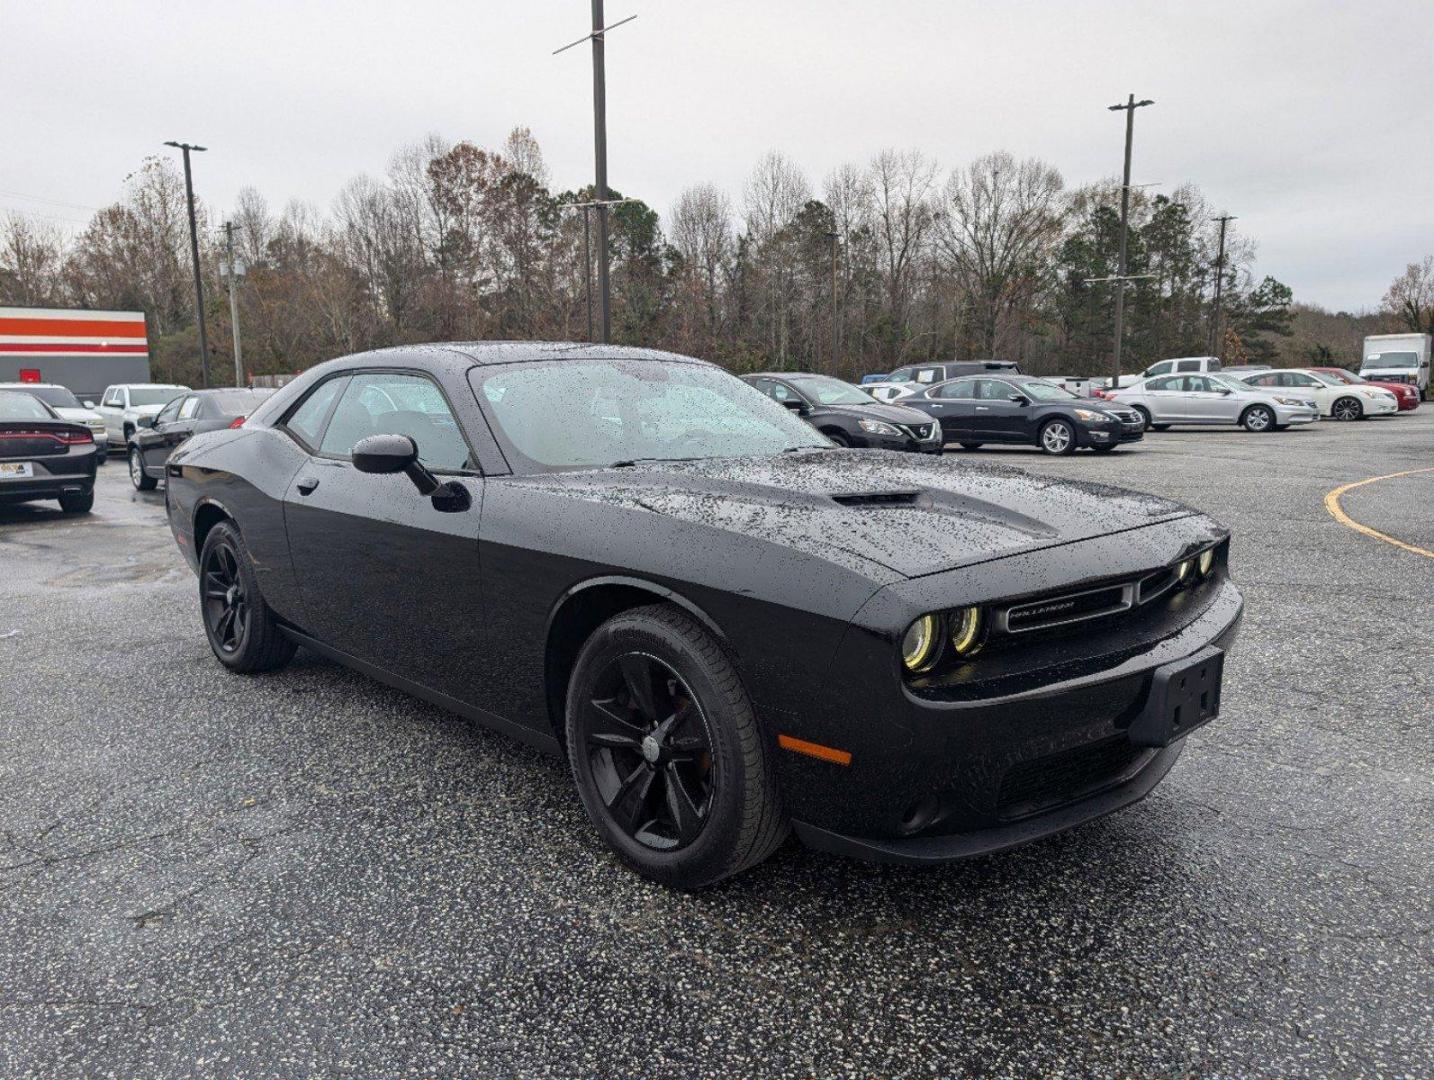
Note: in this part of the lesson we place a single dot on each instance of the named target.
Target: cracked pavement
(309, 874)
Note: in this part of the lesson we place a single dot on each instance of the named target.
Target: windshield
(1328, 380)
(1343, 376)
(16, 406)
(569, 414)
(154, 395)
(1392, 360)
(57, 396)
(1044, 391)
(829, 391)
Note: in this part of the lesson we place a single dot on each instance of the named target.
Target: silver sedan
(1213, 399)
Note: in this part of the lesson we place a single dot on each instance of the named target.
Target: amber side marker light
(816, 750)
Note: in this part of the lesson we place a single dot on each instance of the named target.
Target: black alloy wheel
(241, 629)
(666, 751)
(1346, 408)
(226, 607)
(650, 752)
(137, 475)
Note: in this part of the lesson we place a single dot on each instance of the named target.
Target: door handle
(307, 484)
(983, 408)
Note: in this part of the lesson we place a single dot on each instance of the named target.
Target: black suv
(1022, 409)
(848, 416)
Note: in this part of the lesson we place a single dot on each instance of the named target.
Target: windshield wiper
(631, 462)
(808, 446)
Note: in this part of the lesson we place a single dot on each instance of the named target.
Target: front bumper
(1040, 743)
(903, 443)
(1295, 414)
(1381, 407)
(1090, 435)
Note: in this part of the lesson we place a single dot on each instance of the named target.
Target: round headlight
(921, 645)
(1207, 561)
(1182, 572)
(966, 630)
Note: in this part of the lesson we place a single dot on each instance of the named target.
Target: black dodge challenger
(728, 626)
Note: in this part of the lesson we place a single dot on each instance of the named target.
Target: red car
(1406, 395)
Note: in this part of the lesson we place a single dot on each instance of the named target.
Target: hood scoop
(878, 498)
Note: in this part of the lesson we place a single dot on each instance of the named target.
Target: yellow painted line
(1331, 503)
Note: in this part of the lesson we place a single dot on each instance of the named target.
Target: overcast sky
(1310, 121)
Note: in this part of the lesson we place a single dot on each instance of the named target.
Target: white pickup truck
(1180, 365)
(1397, 358)
(128, 406)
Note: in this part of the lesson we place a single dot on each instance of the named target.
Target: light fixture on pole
(194, 258)
(600, 199)
(1120, 278)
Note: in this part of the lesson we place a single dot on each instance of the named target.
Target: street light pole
(1219, 286)
(194, 258)
(234, 304)
(1130, 106)
(600, 199)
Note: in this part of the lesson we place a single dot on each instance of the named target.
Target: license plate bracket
(1184, 695)
(16, 469)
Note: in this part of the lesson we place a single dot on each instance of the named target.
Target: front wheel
(1346, 408)
(1104, 449)
(241, 629)
(1145, 417)
(667, 753)
(141, 480)
(837, 437)
(1058, 437)
(1258, 418)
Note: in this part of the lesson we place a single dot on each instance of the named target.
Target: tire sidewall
(1070, 429)
(1146, 416)
(1268, 413)
(225, 533)
(708, 857)
(1358, 409)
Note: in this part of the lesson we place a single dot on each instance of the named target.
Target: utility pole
(836, 326)
(1224, 220)
(600, 199)
(1120, 279)
(588, 269)
(234, 303)
(194, 258)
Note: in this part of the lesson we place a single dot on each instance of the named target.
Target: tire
(1145, 415)
(141, 480)
(100, 459)
(1346, 408)
(1057, 437)
(696, 745)
(1105, 449)
(971, 445)
(252, 640)
(837, 437)
(1161, 427)
(78, 502)
(1258, 418)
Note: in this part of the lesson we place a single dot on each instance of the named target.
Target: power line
(51, 202)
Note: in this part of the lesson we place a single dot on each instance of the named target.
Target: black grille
(1070, 607)
(918, 431)
(1049, 781)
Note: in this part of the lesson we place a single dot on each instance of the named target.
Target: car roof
(32, 386)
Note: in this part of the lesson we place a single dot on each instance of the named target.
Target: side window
(1166, 383)
(901, 374)
(391, 403)
(1212, 364)
(307, 421)
(170, 411)
(928, 374)
(960, 390)
(189, 407)
(1165, 367)
(782, 392)
(1198, 383)
(1296, 379)
(985, 390)
(1264, 380)
(764, 385)
(115, 398)
(1188, 365)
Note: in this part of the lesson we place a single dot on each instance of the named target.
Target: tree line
(891, 261)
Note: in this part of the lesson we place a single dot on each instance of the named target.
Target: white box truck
(1397, 358)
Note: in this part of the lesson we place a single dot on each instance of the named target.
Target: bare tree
(1410, 298)
(901, 184)
(1000, 221)
(31, 257)
(702, 233)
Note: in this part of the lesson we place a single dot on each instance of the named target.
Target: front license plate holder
(1184, 695)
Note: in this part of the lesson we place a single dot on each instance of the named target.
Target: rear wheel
(241, 629)
(78, 502)
(1346, 408)
(1145, 416)
(667, 753)
(137, 476)
(1104, 449)
(1058, 437)
(1258, 418)
(1161, 427)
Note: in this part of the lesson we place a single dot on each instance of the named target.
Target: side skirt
(537, 739)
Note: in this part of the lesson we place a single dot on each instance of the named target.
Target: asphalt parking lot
(308, 874)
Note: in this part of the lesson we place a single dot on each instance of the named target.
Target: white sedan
(1335, 398)
(1213, 399)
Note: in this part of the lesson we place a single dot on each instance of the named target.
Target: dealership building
(85, 351)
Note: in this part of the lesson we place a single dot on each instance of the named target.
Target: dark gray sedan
(188, 414)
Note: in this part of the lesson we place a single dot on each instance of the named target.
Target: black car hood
(875, 410)
(911, 514)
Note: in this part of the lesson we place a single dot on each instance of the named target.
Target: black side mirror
(797, 405)
(1020, 399)
(386, 454)
(145, 421)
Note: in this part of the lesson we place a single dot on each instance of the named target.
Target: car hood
(147, 410)
(80, 416)
(876, 410)
(911, 514)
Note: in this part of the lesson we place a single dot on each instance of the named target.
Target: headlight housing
(1090, 416)
(921, 644)
(878, 427)
(966, 626)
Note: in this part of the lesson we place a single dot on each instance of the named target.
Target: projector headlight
(921, 644)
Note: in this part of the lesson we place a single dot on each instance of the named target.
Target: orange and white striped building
(83, 350)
